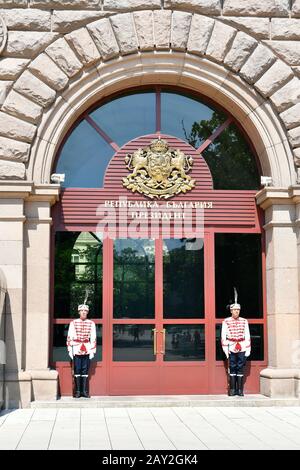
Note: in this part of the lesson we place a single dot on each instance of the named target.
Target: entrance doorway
(154, 303)
(158, 301)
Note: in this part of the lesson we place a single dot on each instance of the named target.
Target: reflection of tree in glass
(78, 266)
(229, 157)
(133, 280)
(183, 281)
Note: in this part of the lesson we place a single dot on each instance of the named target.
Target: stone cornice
(29, 191)
(270, 196)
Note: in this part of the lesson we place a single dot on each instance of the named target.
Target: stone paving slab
(151, 428)
(166, 401)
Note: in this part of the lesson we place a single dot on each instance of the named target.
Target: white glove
(226, 353)
(247, 353)
(91, 355)
(71, 355)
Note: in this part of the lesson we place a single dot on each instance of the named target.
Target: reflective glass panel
(230, 159)
(134, 278)
(182, 116)
(127, 117)
(60, 352)
(185, 343)
(238, 264)
(84, 158)
(183, 278)
(257, 343)
(133, 343)
(78, 270)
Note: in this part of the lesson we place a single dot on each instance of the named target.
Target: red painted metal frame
(166, 376)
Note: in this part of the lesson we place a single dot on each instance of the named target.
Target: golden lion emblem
(158, 171)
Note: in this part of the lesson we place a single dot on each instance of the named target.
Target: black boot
(85, 393)
(77, 386)
(240, 385)
(232, 385)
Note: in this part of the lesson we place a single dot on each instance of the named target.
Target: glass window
(230, 159)
(127, 117)
(84, 158)
(257, 343)
(134, 278)
(184, 343)
(181, 116)
(85, 154)
(238, 264)
(183, 278)
(78, 271)
(60, 352)
(133, 343)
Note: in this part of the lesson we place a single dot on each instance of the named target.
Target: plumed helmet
(235, 304)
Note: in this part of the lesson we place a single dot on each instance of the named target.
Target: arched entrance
(158, 294)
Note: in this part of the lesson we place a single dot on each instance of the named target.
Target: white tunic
(235, 336)
(81, 338)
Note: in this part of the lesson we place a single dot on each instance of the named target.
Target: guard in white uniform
(82, 343)
(236, 344)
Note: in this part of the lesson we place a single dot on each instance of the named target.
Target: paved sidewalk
(182, 428)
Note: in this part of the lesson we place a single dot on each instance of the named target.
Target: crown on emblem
(159, 145)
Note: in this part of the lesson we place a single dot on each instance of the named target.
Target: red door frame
(161, 377)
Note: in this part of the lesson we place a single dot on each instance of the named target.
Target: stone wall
(47, 44)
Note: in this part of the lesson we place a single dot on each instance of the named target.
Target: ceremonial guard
(82, 343)
(236, 344)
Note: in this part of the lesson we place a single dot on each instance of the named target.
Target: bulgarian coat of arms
(158, 171)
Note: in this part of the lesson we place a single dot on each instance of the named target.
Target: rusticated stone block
(35, 89)
(15, 128)
(294, 137)
(21, 107)
(220, 41)
(63, 4)
(44, 68)
(14, 150)
(287, 96)
(144, 28)
(181, 22)
(125, 5)
(65, 21)
(27, 44)
(11, 68)
(296, 8)
(123, 27)
(241, 49)
(61, 53)
(256, 7)
(5, 87)
(257, 64)
(29, 19)
(13, 3)
(200, 32)
(285, 28)
(206, 7)
(84, 46)
(289, 51)
(291, 117)
(162, 28)
(257, 27)
(11, 170)
(274, 78)
(104, 38)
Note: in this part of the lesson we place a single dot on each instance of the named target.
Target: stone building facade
(58, 57)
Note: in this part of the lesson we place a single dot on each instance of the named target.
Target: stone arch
(174, 47)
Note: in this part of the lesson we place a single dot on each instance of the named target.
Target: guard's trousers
(237, 362)
(81, 365)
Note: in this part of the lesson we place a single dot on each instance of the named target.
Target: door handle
(155, 341)
(163, 331)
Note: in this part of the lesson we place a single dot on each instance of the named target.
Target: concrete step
(165, 401)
